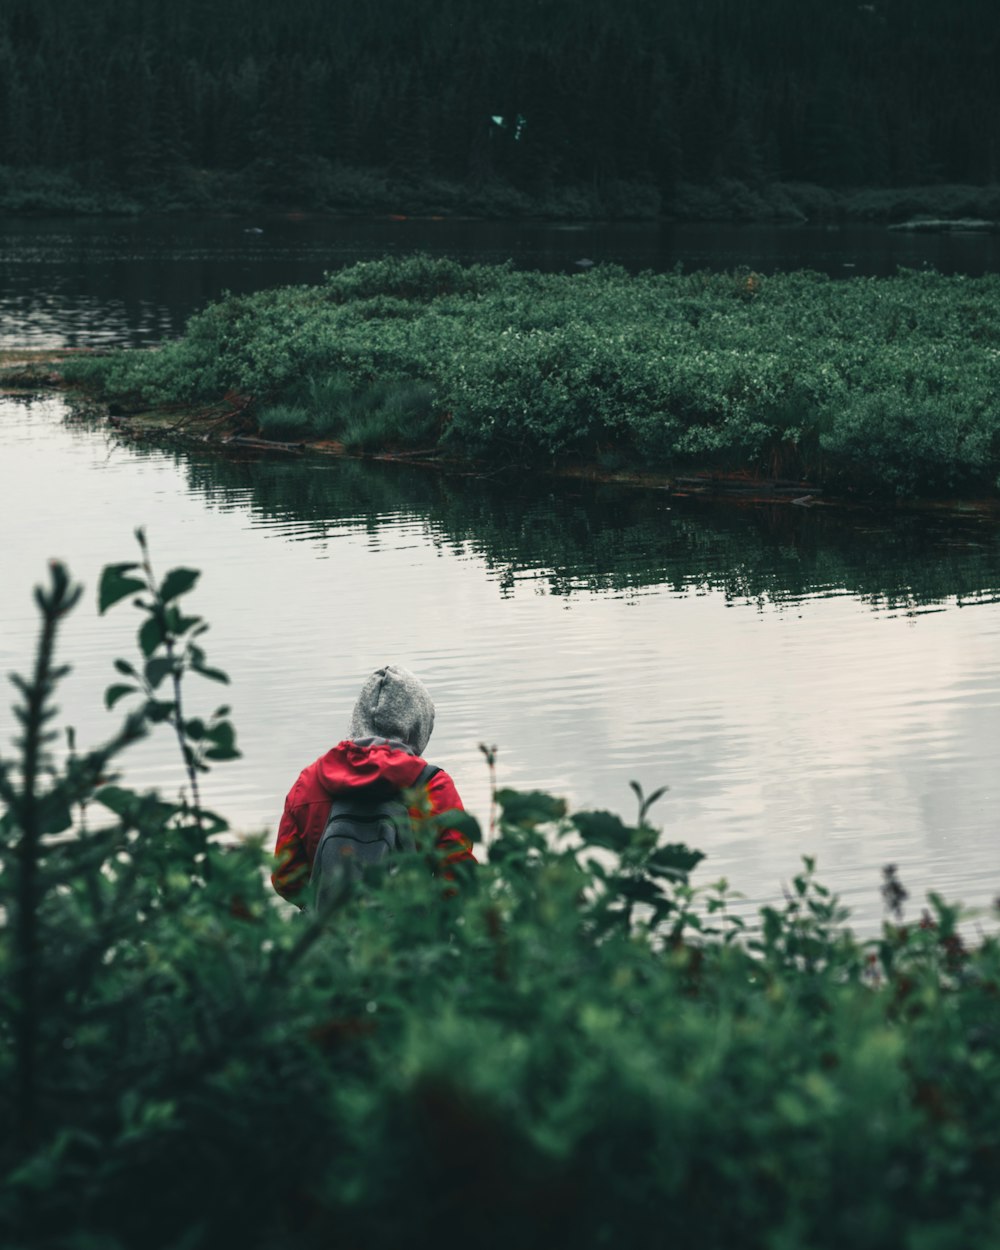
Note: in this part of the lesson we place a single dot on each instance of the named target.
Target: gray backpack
(361, 830)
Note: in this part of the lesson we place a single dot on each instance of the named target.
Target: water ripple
(815, 722)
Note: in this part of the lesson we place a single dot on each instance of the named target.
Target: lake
(805, 683)
(101, 282)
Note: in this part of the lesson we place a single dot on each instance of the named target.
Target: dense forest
(312, 104)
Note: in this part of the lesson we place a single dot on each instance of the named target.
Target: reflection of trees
(586, 537)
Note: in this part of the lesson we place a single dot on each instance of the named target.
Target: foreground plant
(572, 1044)
(168, 641)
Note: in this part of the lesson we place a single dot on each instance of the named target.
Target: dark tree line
(649, 92)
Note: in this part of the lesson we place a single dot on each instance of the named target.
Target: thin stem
(177, 718)
(54, 605)
(491, 762)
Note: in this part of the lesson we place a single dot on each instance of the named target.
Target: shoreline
(35, 371)
(360, 193)
(791, 389)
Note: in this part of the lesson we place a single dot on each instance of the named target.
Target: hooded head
(393, 703)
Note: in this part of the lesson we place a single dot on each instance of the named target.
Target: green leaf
(530, 807)
(177, 622)
(637, 889)
(157, 668)
(213, 674)
(195, 728)
(150, 635)
(772, 924)
(123, 666)
(117, 799)
(158, 710)
(223, 738)
(603, 829)
(673, 858)
(461, 822)
(222, 753)
(118, 691)
(178, 582)
(54, 814)
(115, 585)
(648, 803)
(222, 734)
(127, 805)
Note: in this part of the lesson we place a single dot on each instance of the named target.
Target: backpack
(361, 830)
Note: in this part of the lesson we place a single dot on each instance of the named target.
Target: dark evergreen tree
(887, 92)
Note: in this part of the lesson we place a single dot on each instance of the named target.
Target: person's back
(382, 756)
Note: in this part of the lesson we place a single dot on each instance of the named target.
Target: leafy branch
(34, 811)
(169, 643)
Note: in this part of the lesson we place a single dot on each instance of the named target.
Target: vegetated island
(865, 387)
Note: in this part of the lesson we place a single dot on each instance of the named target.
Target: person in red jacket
(390, 728)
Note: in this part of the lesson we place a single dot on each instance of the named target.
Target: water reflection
(802, 686)
(133, 282)
(590, 538)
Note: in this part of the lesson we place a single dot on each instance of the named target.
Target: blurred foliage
(569, 1046)
(880, 385)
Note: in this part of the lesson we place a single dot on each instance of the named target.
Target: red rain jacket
(346, 767)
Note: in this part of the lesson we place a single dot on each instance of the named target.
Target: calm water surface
(79, 282)
(802, 686)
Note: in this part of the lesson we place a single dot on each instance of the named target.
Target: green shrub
(365, 417)
(36, 189)
(285, 422)
(889, 383)
(564, 1046)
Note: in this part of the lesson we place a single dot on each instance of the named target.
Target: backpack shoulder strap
(426, 773)
(422, 779)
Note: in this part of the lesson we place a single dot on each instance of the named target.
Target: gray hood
(394, 703)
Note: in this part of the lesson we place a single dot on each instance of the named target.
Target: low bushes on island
(568, 1045)
(884, 384)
